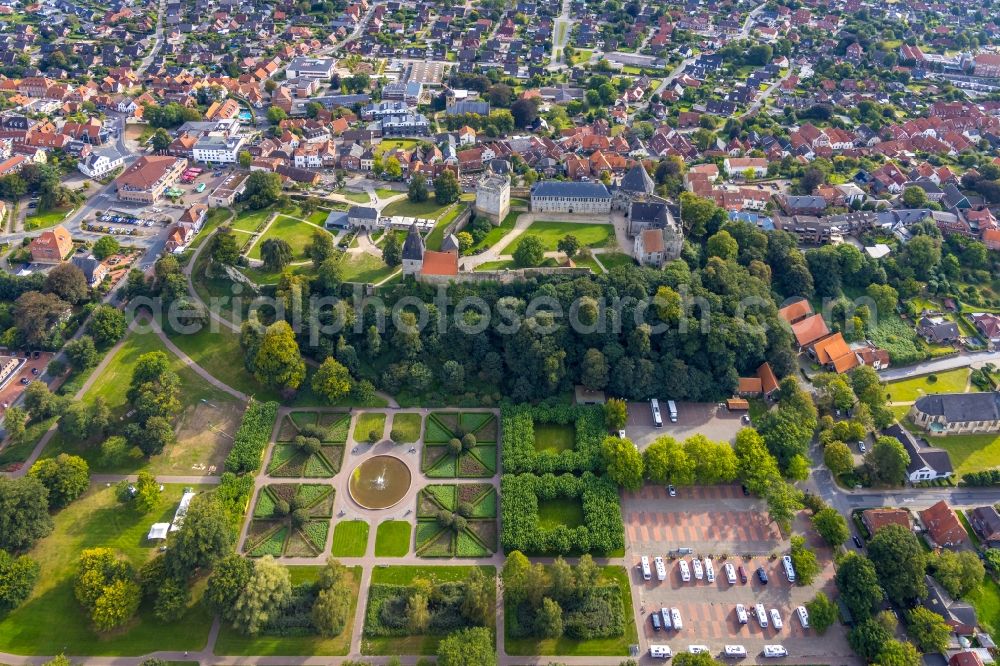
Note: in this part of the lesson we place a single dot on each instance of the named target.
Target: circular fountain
(379, 482)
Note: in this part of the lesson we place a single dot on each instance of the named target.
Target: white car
(803, 616)
(699, 573)
(776, 619)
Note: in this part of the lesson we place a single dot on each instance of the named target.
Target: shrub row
(519, 454)
(987, 477)
(252, 437)
(601, 531)
(387, 613)
(233, 494)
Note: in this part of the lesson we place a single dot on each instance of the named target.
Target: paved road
(965, 359)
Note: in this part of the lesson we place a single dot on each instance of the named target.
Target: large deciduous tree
(66, 477)
(24, 513)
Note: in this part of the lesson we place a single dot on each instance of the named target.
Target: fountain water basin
(379, 482)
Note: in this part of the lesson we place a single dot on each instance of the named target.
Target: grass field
(215, 218)
(219, 353)
(363, 267)
(559, 511)
(617, 646)
(970, 453)
(496, 233)
(295, 232)
(908, 390)
(366, 423)
(408, 425)
(986, 600)
(550, 233)
(392, 538)
(615, 259)
(46, 219)
(207, 416)
(495, 265)
(554, 437)
(423, 644)
(250, 220)
(356, 197)
(395, 144)
(51, 621)
(231, 642)
(350, 539)
(429, 209)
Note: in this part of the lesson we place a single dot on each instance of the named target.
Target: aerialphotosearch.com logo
(325, 316)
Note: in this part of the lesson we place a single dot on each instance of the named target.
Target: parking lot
(708, 418)
(722, 523)
(30, 370)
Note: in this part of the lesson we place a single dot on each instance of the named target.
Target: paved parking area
(719, 521)
(13, 388)
(714, 519)
(708, 418)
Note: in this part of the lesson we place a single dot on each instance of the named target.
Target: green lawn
(215, 218)
(559, 511)
(986, 600)
(263, 277)
(436, 236)
(51, 621)
(296, 233)
(970, 453)
(250, 220)
(46, 219)
(617, 646)
(550, 233)
(423, 644)
(350, 539)
(233, 643)
(204, 427)
(368, 422)
(408, 425)
(219, 353)
(356, 197)
(496, 233)
(363, 267)
(429, 209)
(908, 390)
(386, 192)
(615, 259)
(395, 144)
(392, 539)
(554, 437)
(495, 265)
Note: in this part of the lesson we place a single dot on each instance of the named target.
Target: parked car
(743, 574)
(762, 575)
(671, 491)
(857, 541)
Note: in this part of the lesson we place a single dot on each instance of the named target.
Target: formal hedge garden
(290, 520)
(457, 520)
(252, 437)
(445, 598)
(521, 454)
(600, 532)
(310, 444)
(460, 445)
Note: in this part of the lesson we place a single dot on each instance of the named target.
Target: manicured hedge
(519, 454)
(601, 532)
(252, 437)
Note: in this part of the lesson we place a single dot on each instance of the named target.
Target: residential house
(52, 246)
(876, 519)
(938, 330)
(943, 528)
(93, 269)
(764, 383)
(985, 520)
(926, 462)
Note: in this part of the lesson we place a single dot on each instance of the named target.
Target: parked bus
(655, 406)
(672, 410)
(661, 569)
(786, 561)
(644, 565)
